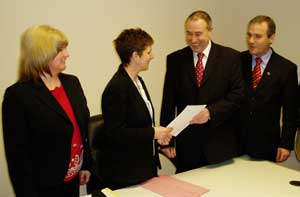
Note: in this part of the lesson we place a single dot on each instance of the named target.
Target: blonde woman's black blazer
(38, 133)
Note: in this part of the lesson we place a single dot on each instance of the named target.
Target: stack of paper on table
(171, 187)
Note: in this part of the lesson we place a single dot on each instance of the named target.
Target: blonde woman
(45, 117)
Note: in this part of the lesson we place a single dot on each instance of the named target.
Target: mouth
(252, 47)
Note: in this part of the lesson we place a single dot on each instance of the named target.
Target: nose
(250, 39)
(66, 53)
(152, 56)
(193, 38)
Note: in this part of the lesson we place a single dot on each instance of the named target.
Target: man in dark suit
(271, 86)
(212, 136)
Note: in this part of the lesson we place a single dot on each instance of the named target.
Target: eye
(189, 33)
(198, 34)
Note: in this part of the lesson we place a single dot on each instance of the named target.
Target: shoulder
(118, 82)
(245, 56)
(19, 92)
(68, 77)
(181, 52)
(280, 60)
(225, 50)
(18, 88)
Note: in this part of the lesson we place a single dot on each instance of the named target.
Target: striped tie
(256, 74)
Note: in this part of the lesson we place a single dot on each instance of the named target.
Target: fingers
(201, 118)
(169, 152)
(164, 141)
(84, 177)
(163, 135)
(278, 156)
(282, 154)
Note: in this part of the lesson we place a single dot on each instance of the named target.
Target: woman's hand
(163, 135)
(84, 177)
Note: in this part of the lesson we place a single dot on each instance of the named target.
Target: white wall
(91, 26)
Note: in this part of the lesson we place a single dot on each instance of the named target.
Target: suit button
(251, 113)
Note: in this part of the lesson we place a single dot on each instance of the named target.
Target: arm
(16, 135)
(289, 112)
(116, 109)
(87, 157)
(222, 109)
(168, 107)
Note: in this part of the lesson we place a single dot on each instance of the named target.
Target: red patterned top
(76, 144)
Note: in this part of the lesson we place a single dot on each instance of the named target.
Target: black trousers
(66, 189)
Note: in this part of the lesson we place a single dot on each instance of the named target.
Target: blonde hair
(39, 45)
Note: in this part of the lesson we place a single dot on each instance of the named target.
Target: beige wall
(92, 25)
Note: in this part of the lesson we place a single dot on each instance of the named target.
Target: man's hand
(170, 152)
(201, 118)
(282, 154)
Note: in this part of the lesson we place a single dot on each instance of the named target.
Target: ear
(133, 56)
(272, 38)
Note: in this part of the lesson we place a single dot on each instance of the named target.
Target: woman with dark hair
(129, 154)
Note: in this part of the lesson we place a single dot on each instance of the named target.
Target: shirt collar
(205, 51)
(265, 58)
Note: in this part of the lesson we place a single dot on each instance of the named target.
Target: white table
(240, 177)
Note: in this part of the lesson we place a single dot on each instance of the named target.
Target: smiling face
(197, 34)
(58, 64)
(258, 40)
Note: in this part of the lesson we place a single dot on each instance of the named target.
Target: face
(58, 64)
(145, 58)
(257, 39)
(197, 35)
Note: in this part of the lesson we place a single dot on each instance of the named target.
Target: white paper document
(184, 118)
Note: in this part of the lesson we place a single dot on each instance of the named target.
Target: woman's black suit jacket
(127, 154)
(38, 133)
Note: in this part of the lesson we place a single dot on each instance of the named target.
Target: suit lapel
(71, 89)
(48, 99)
(188, 62)
(134, 90)
(210, 64)
(248, 72)
(148, 96)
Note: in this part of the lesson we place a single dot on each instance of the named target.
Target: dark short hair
(270, 22)
(131, 40)
(199, 14)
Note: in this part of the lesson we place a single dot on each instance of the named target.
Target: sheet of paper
(184, 118)
(171, 187)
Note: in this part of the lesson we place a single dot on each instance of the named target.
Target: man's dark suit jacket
(276, 91)
(38, 133)
(127, 154)
(221, 90)
(298, 108)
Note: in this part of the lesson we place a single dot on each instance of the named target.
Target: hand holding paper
(184, 118)
(201, 118)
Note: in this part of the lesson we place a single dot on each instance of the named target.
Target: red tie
(199, 68)
(256, 74)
